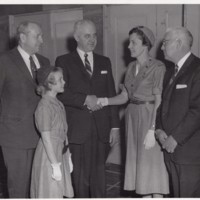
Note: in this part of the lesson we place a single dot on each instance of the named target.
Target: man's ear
(22, 37)
(76, 37)
(179, 43)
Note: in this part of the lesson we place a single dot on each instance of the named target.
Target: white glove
(103, 101)
(56, 175)
(70, 163)
(149, 140)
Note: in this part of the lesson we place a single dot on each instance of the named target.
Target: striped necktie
(174, 75)
(87, 65)
(33, 68)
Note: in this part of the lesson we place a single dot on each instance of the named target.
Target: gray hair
(81, 23)
(183, 34)
(23, 28)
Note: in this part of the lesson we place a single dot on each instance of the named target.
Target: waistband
(138, 102)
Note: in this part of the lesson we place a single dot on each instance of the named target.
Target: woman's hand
(102, 101)
(149, 140)
(56, 175)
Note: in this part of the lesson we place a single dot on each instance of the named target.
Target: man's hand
(91, 103)
(169, 144)
(161, 135)
(114, 136)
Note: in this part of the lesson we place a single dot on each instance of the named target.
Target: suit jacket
(179, 113)
(18, 101)
(78, 86)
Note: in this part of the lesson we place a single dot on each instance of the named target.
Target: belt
(138, 102)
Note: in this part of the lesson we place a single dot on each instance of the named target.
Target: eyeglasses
(166, 42)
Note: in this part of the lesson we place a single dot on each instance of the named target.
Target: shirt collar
(82, 53)
(26, 56)
(23, 53)
(183, 59)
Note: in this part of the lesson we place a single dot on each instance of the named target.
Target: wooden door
(118, 20)
(57, 27)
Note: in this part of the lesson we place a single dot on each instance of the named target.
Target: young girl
(52, 162)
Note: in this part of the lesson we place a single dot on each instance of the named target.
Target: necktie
(87, 65)
(33, 68)
(174, 75)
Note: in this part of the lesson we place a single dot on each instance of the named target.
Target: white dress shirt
(90, 57)
(26, 59)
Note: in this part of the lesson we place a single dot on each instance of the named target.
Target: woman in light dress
(145, 171)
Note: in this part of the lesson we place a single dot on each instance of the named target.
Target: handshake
(93, 103)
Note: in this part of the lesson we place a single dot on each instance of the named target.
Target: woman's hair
(141, 35)
(42, 88)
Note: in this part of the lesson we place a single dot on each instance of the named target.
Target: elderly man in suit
(88, 76)
(18, 136)
(178, 122)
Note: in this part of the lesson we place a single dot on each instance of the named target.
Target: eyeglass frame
(165, 42)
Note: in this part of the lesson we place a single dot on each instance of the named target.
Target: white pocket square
(104, 72)
(181, 86)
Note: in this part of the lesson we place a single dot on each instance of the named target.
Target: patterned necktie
(174, 75)
(87, 65)
(33, 68)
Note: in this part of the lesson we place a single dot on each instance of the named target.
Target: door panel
(119, 19)
(57, 27)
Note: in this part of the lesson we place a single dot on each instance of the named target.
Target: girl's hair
(42, 88)
(141, 35)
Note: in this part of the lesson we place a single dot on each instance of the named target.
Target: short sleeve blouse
(147, 83)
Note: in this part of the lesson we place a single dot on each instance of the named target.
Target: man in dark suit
(18, 101)
(178, 122)
(90, 128)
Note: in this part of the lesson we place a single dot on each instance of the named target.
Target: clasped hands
(93, 103)
(168, 142)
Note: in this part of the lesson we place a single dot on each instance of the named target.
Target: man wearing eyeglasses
(178, 121)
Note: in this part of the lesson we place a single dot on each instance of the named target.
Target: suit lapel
(79, 63)
(180, 73)
(19, 62)
(184, 67)
(96, 67)
(170, 88)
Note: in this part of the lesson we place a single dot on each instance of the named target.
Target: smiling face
(136, 46)
(86, 37)
(31, 39)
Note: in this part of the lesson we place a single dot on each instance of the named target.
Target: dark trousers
(88, 175)
(18, 163)
(185, 179)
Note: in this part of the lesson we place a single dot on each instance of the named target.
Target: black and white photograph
(99, 99)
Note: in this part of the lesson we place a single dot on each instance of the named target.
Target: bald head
(182, 34)
(177, 43)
